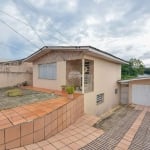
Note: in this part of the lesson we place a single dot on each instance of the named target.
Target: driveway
(131, 132)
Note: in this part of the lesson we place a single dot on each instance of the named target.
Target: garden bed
(111, 120)
(21, 96)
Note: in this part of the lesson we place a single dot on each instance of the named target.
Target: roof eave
(30, 57)
(107, 56)
(134, 79)
(46, 49)
(85, 49)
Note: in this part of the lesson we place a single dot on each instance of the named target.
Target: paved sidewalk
(128, 137)
(111, 138)
(141, 140)
(74, 137)
(132, 132)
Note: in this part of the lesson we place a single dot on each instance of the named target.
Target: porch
(80, 74)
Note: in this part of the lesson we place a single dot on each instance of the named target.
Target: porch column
(82, 76)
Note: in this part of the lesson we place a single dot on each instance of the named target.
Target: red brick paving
(25, 113)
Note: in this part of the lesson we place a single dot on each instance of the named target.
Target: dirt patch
(110, 121)
(28, 97)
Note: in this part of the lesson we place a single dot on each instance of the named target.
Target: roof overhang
(104, 55)
(134, 79)
(89, 50)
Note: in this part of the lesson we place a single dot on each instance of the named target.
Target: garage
(135, 91)
(141, 94)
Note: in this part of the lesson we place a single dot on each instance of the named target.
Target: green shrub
(14, 92)
(70, 89)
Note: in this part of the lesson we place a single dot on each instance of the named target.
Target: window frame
(51, 73)
(89, 75)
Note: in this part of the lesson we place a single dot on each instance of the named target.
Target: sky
(119, 27)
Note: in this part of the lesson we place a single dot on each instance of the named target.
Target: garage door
(141, 94)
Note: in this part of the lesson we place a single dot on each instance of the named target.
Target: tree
(138, 65)
(133, 69)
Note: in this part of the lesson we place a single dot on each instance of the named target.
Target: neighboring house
(135, 91)
(15, 72)
(94, 73)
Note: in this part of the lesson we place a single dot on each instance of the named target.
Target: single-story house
(135, 91)
(93, 72)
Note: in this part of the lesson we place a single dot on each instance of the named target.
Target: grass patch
(11, 97)
(14, 92)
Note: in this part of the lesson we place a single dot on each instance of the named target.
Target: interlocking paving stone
(112, 137)
(141, 140)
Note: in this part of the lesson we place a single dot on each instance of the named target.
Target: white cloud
(146, 62)
(98, 1)
(113, 16)
(91, 20)
(60, 5)
(39, 4)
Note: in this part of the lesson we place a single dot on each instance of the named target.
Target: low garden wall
(43, 127)
(12, 79)
(13, 73)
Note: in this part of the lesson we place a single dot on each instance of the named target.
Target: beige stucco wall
(13, 74)
(60, 59)
(16, 67)
(106, 75)
(137, 82)
(12, 79)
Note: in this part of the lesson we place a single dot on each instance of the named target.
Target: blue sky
(120, 27)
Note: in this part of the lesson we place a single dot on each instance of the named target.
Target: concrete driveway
(131, 132)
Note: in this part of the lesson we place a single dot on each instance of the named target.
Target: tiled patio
(74, 137)
(30, 112)
(81, 134)
(38, 121)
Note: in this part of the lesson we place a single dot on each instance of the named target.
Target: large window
(47, 71)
